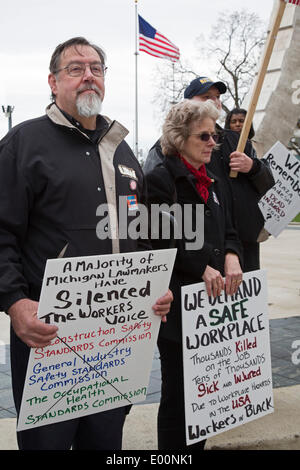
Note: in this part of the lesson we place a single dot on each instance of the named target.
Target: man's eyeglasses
(205, 136)
(78, 69)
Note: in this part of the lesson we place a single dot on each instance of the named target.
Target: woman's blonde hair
(177, 125)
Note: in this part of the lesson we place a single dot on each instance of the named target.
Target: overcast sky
(31, 29)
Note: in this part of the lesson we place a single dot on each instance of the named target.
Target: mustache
(90, 86)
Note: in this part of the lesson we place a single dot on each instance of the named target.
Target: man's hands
(240, 162)
(27, 326)
(233, 277)
(163, 305)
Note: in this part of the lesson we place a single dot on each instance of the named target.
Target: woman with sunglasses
(187, 142)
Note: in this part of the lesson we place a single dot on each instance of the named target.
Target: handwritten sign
(102, 356)
(282, 202)
(226, 357)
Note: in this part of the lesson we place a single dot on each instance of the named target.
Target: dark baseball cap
(200, 85)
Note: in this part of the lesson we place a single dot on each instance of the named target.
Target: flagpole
(173, 70)
(136, 82)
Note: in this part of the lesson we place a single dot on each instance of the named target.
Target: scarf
(203, 181)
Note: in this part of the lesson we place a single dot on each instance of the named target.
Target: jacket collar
(176, 167)
(115, 129)
(178, 170)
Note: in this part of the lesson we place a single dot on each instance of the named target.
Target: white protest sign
(282, 202)
(226, 357)
(102, 356)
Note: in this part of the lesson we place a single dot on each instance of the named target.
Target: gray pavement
(279, 430)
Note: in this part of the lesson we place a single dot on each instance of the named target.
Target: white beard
(88, 104)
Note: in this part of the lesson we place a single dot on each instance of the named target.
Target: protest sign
(282, 202)
(102, 356)
(226, 357)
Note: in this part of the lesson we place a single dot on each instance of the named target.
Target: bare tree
(235, 45)
(232, 52)
(170, 80)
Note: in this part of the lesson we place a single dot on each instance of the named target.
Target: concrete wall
(278, 108)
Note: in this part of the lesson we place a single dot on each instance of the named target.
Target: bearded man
(55, 171)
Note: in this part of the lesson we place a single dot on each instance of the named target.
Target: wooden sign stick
(260, 79)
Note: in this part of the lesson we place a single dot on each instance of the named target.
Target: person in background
(202, 89)
(235, 120)
(55, 171)
(187, 142)
(254, 177)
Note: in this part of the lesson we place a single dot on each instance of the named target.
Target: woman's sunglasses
(205, 136)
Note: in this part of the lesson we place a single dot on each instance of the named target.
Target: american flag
(154, 43)
(294, 2)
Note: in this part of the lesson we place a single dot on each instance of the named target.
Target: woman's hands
(240, 162)
(214, 281)
(233, 273)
